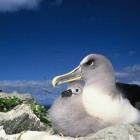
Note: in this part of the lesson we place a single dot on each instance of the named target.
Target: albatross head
(93, 68)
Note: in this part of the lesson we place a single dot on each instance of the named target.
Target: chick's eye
(77, 90)
(90, 62)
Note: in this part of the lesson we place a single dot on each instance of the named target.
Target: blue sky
(40, 39)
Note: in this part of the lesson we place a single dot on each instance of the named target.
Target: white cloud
(35, 88)
(132, 53)
(29, 86)
(57, 3)
(15, 5)
(134, 68)
(135, 82)
(130, 74)
(121, 74)
(117, 55)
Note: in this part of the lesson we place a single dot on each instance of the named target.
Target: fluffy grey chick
(69, 117)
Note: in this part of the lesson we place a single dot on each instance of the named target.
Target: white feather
(116, 110)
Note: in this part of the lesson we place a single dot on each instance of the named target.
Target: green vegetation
(40, 112)
(8, 103)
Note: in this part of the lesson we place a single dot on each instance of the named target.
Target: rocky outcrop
(22, 124)
(119, 132)
(19, 119)
(26, 98)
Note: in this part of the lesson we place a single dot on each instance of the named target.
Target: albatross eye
(90, 62)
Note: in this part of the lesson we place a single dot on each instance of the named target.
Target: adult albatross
(100, 97)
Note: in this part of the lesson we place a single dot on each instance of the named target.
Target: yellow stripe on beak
(68, 77)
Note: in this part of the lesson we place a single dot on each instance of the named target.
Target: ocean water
(46, 100)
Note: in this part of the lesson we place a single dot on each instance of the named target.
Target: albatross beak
(68, 77)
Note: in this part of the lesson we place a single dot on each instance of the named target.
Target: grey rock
(19, 119)
(22, 123)
(4, 136)
(26, 98)
(118, 132)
